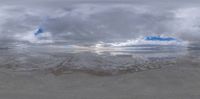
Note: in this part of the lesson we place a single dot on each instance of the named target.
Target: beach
(99, 49)
(180, 82)
(178, 79)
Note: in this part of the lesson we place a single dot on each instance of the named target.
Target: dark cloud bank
(90, 21)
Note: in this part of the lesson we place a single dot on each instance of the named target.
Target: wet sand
(173, 82)
(24, 76)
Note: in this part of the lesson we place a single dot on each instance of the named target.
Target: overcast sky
(82, 21)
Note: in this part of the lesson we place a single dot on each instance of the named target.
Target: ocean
(107, 60)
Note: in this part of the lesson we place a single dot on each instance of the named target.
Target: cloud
(94, 21)
(187, 23)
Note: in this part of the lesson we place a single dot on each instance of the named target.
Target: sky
(91, 21)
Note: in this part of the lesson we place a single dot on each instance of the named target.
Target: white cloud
(98, 22)
(187, 23)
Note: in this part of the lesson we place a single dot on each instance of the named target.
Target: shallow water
(105, 61)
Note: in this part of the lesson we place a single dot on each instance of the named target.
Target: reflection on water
(102, 61)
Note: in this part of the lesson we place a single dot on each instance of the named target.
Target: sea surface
(61, 59)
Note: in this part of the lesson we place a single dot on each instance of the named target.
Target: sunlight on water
(99, 60)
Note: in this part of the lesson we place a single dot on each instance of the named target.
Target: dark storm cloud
(96, 20)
